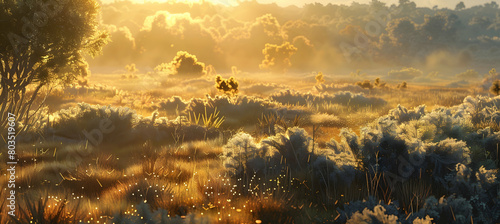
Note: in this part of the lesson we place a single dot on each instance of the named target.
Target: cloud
(164, 34)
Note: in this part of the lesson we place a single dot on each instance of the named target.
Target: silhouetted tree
(320, 78)
(403, 85)
(184, 64)
(440, 27)
(460, 6)
(228, 86)
(131, 68)
(379, 83)
(365, 84)
(277, 58)
(377, 5)
(43, 42)
(495, 88)
(493, 5)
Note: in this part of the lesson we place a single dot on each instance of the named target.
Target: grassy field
(291, 156)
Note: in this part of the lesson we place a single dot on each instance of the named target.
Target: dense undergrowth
(241, 159)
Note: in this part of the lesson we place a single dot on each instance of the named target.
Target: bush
(242, 154)
(446, 210)
(368, 211)
(119, 126)
(242, 110)
(294, 150)
(376, 216)
(342, 98)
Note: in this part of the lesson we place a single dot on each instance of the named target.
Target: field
(288, 156)
(289, 129)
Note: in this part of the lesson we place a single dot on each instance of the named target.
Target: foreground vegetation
(291, 157)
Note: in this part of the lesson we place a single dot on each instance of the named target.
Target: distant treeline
(312, 37)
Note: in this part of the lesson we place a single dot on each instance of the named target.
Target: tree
(377, 5)
(407, 7)
(320, 78)
(131, 68)
(43, 43)
(403, 33)
(460, 6)
(492, 4)
(495, 88)
(184, 64)
(403, 85)
(379, 83)
(440, 27)
(365, 84)
(277, 58)
(228, 86)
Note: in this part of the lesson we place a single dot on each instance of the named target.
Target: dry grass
(188, 178)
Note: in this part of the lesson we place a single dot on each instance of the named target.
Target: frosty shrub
(381, 147)
(173, 105)
(446, 210)
(442, 138)
(94, 90)
(261, 88)
(401, 114)
(355, 100)
(242, 110)
(376, 216)
(123, 125)
(426, 220)
(325, 119)
(369, 211)
(446, 154)
(241, 154)
(486, 177)
(333, 88)
(295, 146)
(290, 149)
(336, 162)
(71, 123)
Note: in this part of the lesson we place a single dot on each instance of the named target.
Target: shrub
(403, 85)
(445, 210)
(376, 216)
(355, 211)
(333, 88)
(242, 154)
(342, 98)
(319, 78)
(292, 149)
(242, 110)
(495, 88)
(228, 86)
(366, 84)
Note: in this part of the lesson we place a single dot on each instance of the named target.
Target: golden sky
(421, 3)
